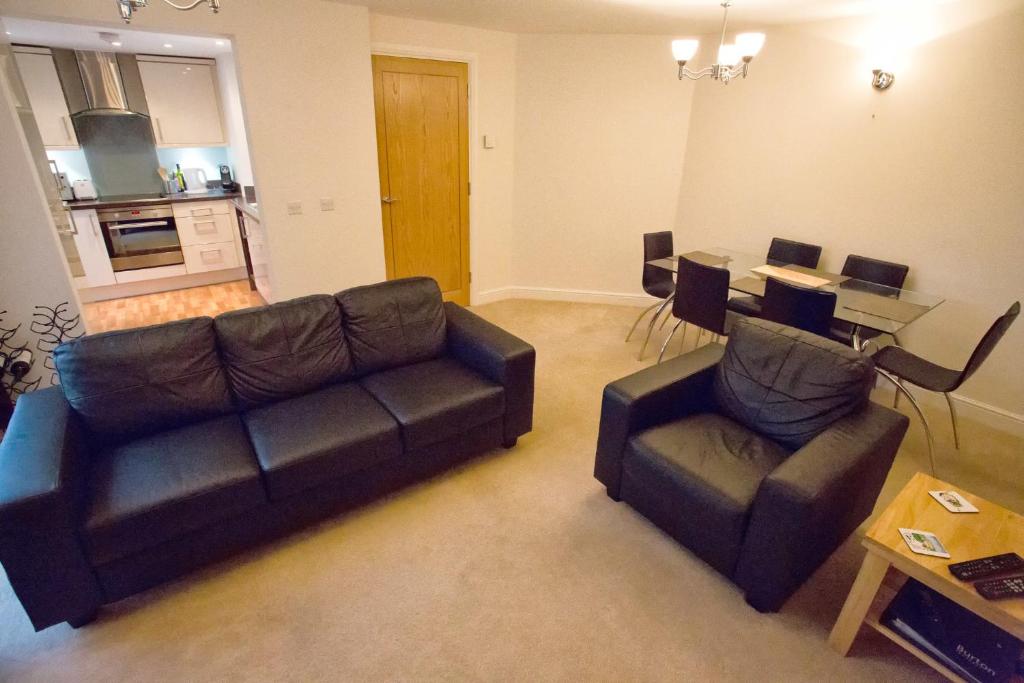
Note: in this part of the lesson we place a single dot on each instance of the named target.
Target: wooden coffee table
(991, 531)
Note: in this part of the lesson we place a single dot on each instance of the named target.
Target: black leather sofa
(172, 446)
(761, 456)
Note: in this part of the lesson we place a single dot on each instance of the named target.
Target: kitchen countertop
(101, 203)
(251, 209)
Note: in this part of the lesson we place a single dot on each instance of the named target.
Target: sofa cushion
(436, 400)
(283, 350)
(324, 435)
(133, 382)
(697, 478)
(394, 323)
(787, 384)
(158, 487)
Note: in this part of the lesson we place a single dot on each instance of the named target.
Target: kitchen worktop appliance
(144, 237)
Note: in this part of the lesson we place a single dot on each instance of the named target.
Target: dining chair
(781, 252)
(700, 297)
(897, 365)
(656, 281)
(869, 271)
(801, 307)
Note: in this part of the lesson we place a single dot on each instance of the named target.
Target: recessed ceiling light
(8, 33)
(117, 43)
(168, 45)
(220, 43)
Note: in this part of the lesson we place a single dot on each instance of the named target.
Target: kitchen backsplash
(73, 162)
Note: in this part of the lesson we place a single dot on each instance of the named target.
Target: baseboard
(969, 409)
(587, 296)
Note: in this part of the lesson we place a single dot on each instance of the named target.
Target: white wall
(492, 57)
(304, 74)
(601, 130)
(928, 173)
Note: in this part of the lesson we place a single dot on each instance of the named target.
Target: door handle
(389, 200)
(159, 130)
(95, 225)
(67, 131)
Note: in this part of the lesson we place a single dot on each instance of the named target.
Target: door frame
(471, 60)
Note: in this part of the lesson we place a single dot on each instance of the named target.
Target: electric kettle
(195, 180)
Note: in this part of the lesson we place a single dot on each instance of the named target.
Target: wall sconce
(882, 80)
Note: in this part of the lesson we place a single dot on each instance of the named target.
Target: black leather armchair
(764, 506)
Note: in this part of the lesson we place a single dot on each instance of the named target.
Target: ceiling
(626, 16)
(78, 37)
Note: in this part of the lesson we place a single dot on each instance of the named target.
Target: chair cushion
(745, 305)
(284, 350)
(787, 384)
(130, 383)
(394, 323)
(436, 400)
(697, 478)
(158, 487)
(324, 435)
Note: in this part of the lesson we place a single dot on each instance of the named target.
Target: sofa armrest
(809, 505)
(500, 357)
(42, 481)
(652, 396)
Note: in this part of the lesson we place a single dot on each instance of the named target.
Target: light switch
(488, 142)
(294, 208)
(327, 203)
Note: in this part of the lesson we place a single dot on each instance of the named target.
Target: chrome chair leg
(650, 327)
(896, 394)
(682, 338)
(667, 341)
(641, 317)
(910, 397)
(953, 417)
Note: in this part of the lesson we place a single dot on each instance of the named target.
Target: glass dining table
(863, 304)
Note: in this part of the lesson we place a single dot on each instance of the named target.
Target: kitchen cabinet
(45, 96)
(202, 258)
(184, 105)
(92, 249)
(256, 240)
(209, 235)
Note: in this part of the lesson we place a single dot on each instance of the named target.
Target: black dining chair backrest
(701, 294)
(988, 343)
(783, 252)
(876, 271)
(801, 307)
(657, 281)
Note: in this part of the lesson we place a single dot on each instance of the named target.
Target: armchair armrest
(500, 357)
(42, 481)
(654, 395)
(808, 506)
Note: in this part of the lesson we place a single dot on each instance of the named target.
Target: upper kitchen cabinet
(46, 97)
(183, 101)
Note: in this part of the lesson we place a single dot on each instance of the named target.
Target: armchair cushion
(436, 400)
(787, 384)
(283, 350)
(697, 478)
(394, 323)
(130, 383)
(158, 487)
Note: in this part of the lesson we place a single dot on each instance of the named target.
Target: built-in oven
(144, 237)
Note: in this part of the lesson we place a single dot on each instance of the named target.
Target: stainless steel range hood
(100, 82)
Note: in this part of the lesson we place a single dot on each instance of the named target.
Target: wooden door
(423, 150)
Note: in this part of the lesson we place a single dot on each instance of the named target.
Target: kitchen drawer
(202, 209)
(200, 258)
(209, 230)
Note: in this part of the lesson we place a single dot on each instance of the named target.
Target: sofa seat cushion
(324, 435)
(697, 478)
(155, 488)
(436, 400)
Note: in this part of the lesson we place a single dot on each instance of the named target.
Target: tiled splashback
(73, 162)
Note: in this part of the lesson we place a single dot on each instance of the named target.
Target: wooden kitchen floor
(150, 309)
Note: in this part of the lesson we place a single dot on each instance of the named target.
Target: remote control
(998, 589)
(973, 570)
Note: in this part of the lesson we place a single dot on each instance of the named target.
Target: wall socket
(327, 203)
(294, 208)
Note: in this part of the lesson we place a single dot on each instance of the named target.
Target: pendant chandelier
(733, 58)
(128, 7)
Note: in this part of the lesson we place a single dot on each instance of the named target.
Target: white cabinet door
(217, 228)
(47, 99)
(202, 258)
(183, 102)
(92, 249)
(257, 240)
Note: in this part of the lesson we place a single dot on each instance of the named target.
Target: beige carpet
(514, 567)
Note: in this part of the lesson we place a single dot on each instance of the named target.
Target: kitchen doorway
(422, 114)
